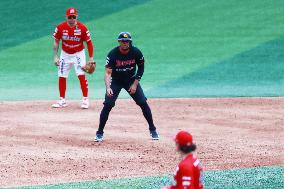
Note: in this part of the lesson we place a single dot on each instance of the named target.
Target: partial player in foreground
(72, 33)
(120, 72)
(189, 173)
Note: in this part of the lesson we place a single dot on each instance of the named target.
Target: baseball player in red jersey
(72, 33)
(189, 173)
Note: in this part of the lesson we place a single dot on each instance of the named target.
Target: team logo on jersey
(77, 31)
(124, 69)
(68, 38)
(120, 63)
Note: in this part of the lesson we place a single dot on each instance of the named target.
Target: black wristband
(138, 77)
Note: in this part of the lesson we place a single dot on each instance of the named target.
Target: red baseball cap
(71, 11)
(183, 138)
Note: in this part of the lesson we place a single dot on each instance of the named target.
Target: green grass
(256, 72)
(30, 19)
(261, 177)
(189, 47)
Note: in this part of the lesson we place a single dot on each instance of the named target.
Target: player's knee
(109, 105)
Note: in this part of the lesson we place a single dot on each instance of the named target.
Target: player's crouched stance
(120, 72)
(189, 173)
(72, 33)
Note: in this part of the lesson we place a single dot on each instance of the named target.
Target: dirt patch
(40, 145)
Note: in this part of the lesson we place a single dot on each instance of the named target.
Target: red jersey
(72, 38)
(189, 174)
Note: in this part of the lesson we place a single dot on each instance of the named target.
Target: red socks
(62, 86)
(84, 85)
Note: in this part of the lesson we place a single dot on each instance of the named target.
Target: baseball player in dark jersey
(120, 72)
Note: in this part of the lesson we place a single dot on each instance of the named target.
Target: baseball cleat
(154, 135)
(85, 103)
(60, 104)
(99, 137)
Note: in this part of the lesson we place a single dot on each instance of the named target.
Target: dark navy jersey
(124, 65)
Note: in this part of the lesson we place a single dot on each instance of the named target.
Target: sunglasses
(124, 41)
(72, 17)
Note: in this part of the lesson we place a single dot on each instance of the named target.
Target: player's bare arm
(55, 51)
(108, 73)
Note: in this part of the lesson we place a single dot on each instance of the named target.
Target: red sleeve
(57, 33)
(198, 175)
(87, 35)
(90, 48)
(87, 38)
(177, 179)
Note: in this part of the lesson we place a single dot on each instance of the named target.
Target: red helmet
(183, 138)
(71, 11)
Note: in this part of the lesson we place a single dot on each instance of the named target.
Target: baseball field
(213, 68)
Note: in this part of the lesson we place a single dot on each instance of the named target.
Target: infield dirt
(41, 145)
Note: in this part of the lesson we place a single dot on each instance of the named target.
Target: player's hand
(132, 89)
(56, 61)
(109, 92)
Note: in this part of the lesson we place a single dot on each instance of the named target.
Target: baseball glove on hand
(89, 67)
